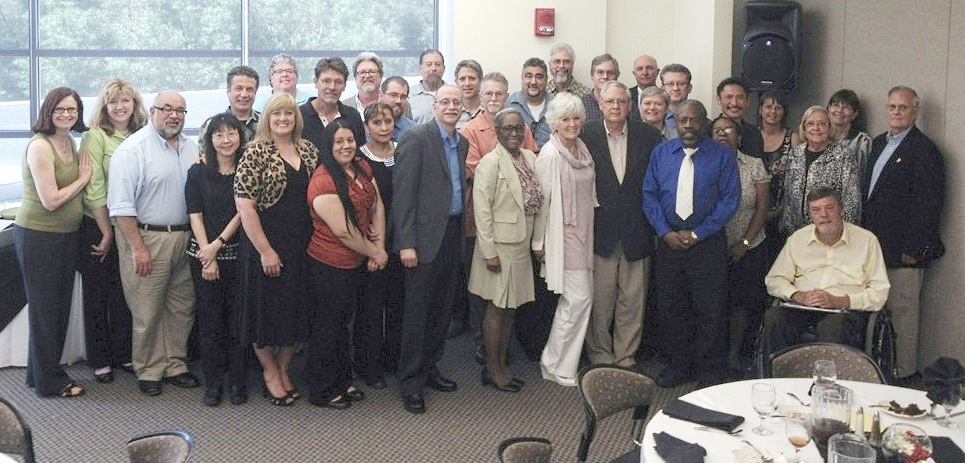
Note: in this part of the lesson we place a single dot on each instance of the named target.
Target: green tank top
(32, 214)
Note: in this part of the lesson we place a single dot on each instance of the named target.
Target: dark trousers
(107, 320)
(48, 262)
(218, 312)
(476, 304)
(746, 294)
(430, 292)
(327, 364)
(378, 321)
(690, 288)
(783, 328)
(535, 319)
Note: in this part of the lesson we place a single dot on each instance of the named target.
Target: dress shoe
(377, 383)
(354, 395)
(212, 396)
(414, 404)
(441, 384)
(673, 377)
(339, 403)
(104, 378)
(237, 395)
(185, 380)
(508, 387)
(149, 387)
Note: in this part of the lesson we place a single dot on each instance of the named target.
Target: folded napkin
(942, 379)
(674, 450)
(689, 412)
(945, 450)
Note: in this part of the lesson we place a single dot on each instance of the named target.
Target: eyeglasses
(71, 111)
(447, 102)
(366, 73)
(398, 96)
(616, 101)
(898, 108)
(230, 136)
(604, 72)
(509, 129)
(277, 72)
(676, 84)
(724, 130)
(167, 110)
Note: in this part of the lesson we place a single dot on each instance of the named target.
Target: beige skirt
(512, 286)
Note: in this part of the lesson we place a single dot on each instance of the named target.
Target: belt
(164, 228)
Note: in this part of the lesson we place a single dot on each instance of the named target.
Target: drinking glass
(825, 372)
(850, 448)
(797, 435)
(949, 403)
(764, 400)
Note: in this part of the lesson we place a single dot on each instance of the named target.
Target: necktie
(685, 185)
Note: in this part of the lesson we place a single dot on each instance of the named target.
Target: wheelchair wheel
(883, 344)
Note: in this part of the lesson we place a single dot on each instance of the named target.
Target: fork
(791, 394)
(709, 428)
(763, 458)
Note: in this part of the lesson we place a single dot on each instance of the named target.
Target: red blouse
(324, 246)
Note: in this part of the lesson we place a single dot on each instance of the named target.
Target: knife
(953, 415)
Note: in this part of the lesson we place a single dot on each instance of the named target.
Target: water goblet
(797, 434)
(949, 402)
(764, 400)
(825, 372)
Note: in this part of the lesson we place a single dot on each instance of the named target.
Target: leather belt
(164, 228)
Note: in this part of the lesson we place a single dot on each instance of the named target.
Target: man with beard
(368, 77)
(242, 86)
(562, 58)
(645, 72)
(431, 66)
(469, 76)
(690, 192)
(282, 77)
(533, 99)
(395, 93)
(146, 198)
(318, 112)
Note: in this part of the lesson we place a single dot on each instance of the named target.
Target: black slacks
(48, 262)
(334, 292)
(218, 312)
(430, 290)
(378, 321)
(107, 319)
(691, 289)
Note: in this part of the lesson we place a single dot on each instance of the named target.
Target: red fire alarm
(545, 25)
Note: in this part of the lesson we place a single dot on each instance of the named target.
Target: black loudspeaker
(771, 49)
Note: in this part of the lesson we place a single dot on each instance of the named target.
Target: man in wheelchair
(830, 272)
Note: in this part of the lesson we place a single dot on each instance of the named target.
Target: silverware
(709, 428)
(791, 394)
(763, 458)
(953, 415)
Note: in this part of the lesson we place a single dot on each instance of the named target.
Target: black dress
(277, 308)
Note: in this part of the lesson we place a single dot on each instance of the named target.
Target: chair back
(607, 390)
(525, 450)
(161, 447)
(15, 438)
(798, 362)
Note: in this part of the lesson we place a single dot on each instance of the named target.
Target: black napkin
(945, 450)
(674, 450)
(942, 378)
(689, 412)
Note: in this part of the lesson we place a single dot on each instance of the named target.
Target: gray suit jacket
(421, 190)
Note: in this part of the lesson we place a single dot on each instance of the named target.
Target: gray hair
(909, 90)
(495, 76)
(367, 56)
(498, 120)
(563, 105)
(614, 83)
(654, 90)
(676, 67)
(282, 58)
(598, 60)
(563, 47)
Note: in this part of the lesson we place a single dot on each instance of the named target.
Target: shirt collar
(845, 236)
(446, 135)
(621, 132)
(253, 117)
(164, 143)
(898, 137)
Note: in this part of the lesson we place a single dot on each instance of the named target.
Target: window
(184, 45)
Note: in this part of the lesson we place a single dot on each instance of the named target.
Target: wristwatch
(746, 243)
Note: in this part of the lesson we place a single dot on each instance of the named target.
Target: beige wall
(624, 28)
(870, 46)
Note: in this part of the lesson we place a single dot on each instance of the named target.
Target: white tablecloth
(14, 338)
(734, 398)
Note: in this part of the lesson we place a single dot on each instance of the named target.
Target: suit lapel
(633, 140)
(604, 157)
(508, 170)
(897, 159)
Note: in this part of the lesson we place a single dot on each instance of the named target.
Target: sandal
(71, 390)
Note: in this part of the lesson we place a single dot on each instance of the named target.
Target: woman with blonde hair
(271, 185)
(118, 112)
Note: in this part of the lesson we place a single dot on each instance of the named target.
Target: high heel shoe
(488, 381)
(283, 401)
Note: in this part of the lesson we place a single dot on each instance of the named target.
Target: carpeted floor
(463, 426)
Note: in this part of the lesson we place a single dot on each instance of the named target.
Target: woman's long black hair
(218, 122)
(327, 158)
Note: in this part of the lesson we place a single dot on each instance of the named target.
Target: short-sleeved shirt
(99, 146)
(752, 172)
(324, 246)
(211, 194)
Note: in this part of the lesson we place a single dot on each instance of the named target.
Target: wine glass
(949, 402)
(825, 372)
(764, 400)
(797, 435)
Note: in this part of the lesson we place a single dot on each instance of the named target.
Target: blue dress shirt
(451, 144)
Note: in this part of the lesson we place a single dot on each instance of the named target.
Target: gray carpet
(464, 426)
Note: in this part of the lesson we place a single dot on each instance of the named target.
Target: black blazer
(313, 125)
(620, 218)
(421, 190)
(634, 103)
(905, 208)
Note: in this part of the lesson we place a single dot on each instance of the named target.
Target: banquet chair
(525, 450)
(607, 390)
(15, 438)
(798, 362)
(161, 447)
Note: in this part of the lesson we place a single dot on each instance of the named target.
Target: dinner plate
(746, 454)
(884, 409)
(794, 409)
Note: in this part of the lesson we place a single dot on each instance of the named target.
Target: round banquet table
(734, 398)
